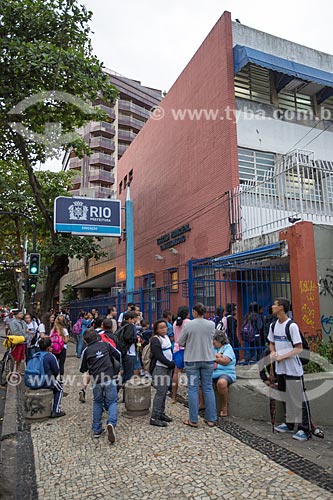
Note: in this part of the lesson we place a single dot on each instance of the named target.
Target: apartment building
(96, 175)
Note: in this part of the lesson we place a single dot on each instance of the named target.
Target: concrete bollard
(38, 403)
(137, 396)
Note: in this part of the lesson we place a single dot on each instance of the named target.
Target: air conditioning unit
(116, 289)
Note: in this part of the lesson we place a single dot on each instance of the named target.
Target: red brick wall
(303, 276)
(183, 167)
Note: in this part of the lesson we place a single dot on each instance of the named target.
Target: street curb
(9, 425)
(8, 445)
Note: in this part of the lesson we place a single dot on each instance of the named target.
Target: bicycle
(7, 365)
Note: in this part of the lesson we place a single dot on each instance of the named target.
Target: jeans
(252, 350)
(105, 396)
(79, 345)
(161, 379)
(128, 367)
(201, 371)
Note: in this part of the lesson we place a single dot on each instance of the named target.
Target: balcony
(126, 135)
(102, 159)
(102, 192)
(75, 163)
(102, 143)
(129, 121)
(103, 127)
(121, 149)
(107, 110)
(77, 180)
(98, 174)
(299, 187)
(133, 108)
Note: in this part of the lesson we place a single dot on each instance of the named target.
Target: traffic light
(32, 285)
(34, 264)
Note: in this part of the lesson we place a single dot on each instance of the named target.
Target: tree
(46, 59)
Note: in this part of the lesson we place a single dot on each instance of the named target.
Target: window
(130, 176)
(204, 286)
(125, 181)
(294, 101)
(254, 165)
(120, 187)
(253, 83)
(174, 280)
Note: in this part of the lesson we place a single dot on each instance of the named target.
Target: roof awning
(267, 251)
(244, 55)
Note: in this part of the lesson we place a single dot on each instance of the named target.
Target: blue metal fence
(232, 285)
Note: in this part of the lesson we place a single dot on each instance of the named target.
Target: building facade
(96, 175)
(232, 179)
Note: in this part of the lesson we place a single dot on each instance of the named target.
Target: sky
(152, 41)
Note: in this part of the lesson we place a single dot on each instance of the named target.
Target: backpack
(57, 342)
(305, 356)
(249, 331)
(125, 338)
(35, 376)
(220, 326)
(106, 338)
(77, 327)
(146, 357)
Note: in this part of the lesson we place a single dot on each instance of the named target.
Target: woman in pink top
(182, 318)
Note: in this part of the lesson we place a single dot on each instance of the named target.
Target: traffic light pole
(31, 222)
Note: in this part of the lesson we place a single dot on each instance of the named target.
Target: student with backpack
(41, 373)
(59, 337)
(101, 361)
(126, 344)
(251, 333)
(161, 367)
(285, 348)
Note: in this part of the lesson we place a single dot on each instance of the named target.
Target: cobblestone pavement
(176, 462)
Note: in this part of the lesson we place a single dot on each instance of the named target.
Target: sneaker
(57, 414)
(283, 428)
(98, 434)
(165, 418)
(111, 433)
(157, 422)
(301, 436)
(82, 396)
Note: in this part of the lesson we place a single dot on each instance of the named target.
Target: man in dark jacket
(101, 361)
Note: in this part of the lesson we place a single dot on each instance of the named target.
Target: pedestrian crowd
(113, 349)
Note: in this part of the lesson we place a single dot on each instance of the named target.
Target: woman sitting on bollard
(224, 372)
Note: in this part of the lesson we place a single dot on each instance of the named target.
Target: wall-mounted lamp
(159, 257)
(173, 251)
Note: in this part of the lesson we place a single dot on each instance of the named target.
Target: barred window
(254, 165)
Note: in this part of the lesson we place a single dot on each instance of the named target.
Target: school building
(232, 182)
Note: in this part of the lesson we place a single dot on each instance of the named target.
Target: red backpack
(105, 338)
(57, 342)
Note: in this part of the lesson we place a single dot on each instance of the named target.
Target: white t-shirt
(166, 349)
(291, 366)
(66, 334)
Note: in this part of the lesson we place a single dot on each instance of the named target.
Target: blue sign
(87, 216)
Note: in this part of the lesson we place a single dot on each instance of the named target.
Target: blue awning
(273, 250)
(244, 55)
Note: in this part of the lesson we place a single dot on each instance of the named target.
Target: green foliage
(47, 63)
(69, 293)
(45, 46)
(324, 349)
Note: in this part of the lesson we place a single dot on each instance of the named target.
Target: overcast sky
(152, 41)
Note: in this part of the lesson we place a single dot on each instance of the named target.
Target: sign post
(87, 216)
(129, 246)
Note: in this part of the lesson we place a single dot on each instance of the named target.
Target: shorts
(225, 377)
(18, 352)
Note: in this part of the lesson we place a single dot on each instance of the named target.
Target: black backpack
(125, 338)
(305, 356)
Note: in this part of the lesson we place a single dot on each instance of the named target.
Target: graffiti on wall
(326, 324)
(326, 284)
(307, 290)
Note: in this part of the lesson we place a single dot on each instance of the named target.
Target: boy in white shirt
(289, 371)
